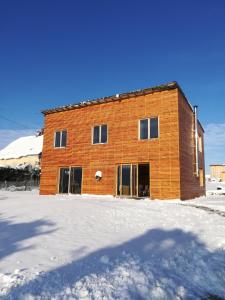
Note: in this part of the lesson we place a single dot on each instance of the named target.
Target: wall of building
(223, 176)
(123, 145)
(190, 183)
(216, 171)
(30, 159)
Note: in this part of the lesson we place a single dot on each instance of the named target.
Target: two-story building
(145, 143)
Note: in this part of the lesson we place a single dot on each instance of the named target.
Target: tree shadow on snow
(13, 234)
(160, 264)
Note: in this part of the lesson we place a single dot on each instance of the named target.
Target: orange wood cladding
(171, 156)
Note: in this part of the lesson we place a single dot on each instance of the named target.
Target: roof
(24, 146)
(217, 165)
(163, 87)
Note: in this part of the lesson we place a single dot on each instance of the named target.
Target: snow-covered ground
(215, 188)
(93, 247)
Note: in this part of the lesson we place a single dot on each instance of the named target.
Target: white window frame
(139, 128)
(60, 147)
(100, 134)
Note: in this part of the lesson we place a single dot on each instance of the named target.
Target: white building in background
(23, 151)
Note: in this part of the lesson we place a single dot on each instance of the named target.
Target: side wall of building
(122, 118)
(191, 185)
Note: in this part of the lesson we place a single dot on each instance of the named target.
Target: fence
(22, 185)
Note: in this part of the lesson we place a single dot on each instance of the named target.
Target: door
(75, 180)
(64, 180)
(133, 180)
(126, 176)
(143, 180)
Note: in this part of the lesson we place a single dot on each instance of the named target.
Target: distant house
(25, 150)
(145, 143)
(217, 171)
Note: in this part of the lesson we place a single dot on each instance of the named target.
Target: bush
(22, 177)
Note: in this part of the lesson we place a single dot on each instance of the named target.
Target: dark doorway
(143, 180)
(75, 180)
(64, 180)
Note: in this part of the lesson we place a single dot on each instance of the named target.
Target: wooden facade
(171, 156)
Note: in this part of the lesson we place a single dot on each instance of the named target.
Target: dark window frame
(100, 134)
(60, 142)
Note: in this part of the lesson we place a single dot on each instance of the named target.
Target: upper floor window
(100, 134)
(200, 143)
(60, 139)
(149, 128)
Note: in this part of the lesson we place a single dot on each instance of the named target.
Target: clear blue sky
(60, 52)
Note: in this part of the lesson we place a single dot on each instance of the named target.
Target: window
(154, 128)
(144, 129)
(60, 139)
(201, 177)
(200, 143)
(100, 134)
(149, 128)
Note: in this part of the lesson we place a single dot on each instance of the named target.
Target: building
(22, 151)
(146, 143)
(217, 172)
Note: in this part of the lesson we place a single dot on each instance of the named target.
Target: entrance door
(64, 180)
(133, 180)
(75, 180)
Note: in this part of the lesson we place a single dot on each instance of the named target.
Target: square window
(60, 139)
(149, 128)
(100, 133)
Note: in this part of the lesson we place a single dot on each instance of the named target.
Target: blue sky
(60, 52)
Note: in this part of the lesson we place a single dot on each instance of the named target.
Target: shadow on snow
(13, 234)
(156, 265)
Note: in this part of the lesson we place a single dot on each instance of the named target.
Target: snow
(91, 247)
(215, 188)
(24, 146)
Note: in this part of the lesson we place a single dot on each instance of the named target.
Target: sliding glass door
(133, 180)
(75, 180)
(64, 180)
(70, 180)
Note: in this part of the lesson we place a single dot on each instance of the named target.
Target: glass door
(75, 180)
(133, 180)
(64, 180)
(126, 180)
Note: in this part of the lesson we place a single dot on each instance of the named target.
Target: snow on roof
(24, 146)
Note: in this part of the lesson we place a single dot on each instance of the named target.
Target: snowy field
(86, 247)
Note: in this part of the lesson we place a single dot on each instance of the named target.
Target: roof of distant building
(24, 146)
